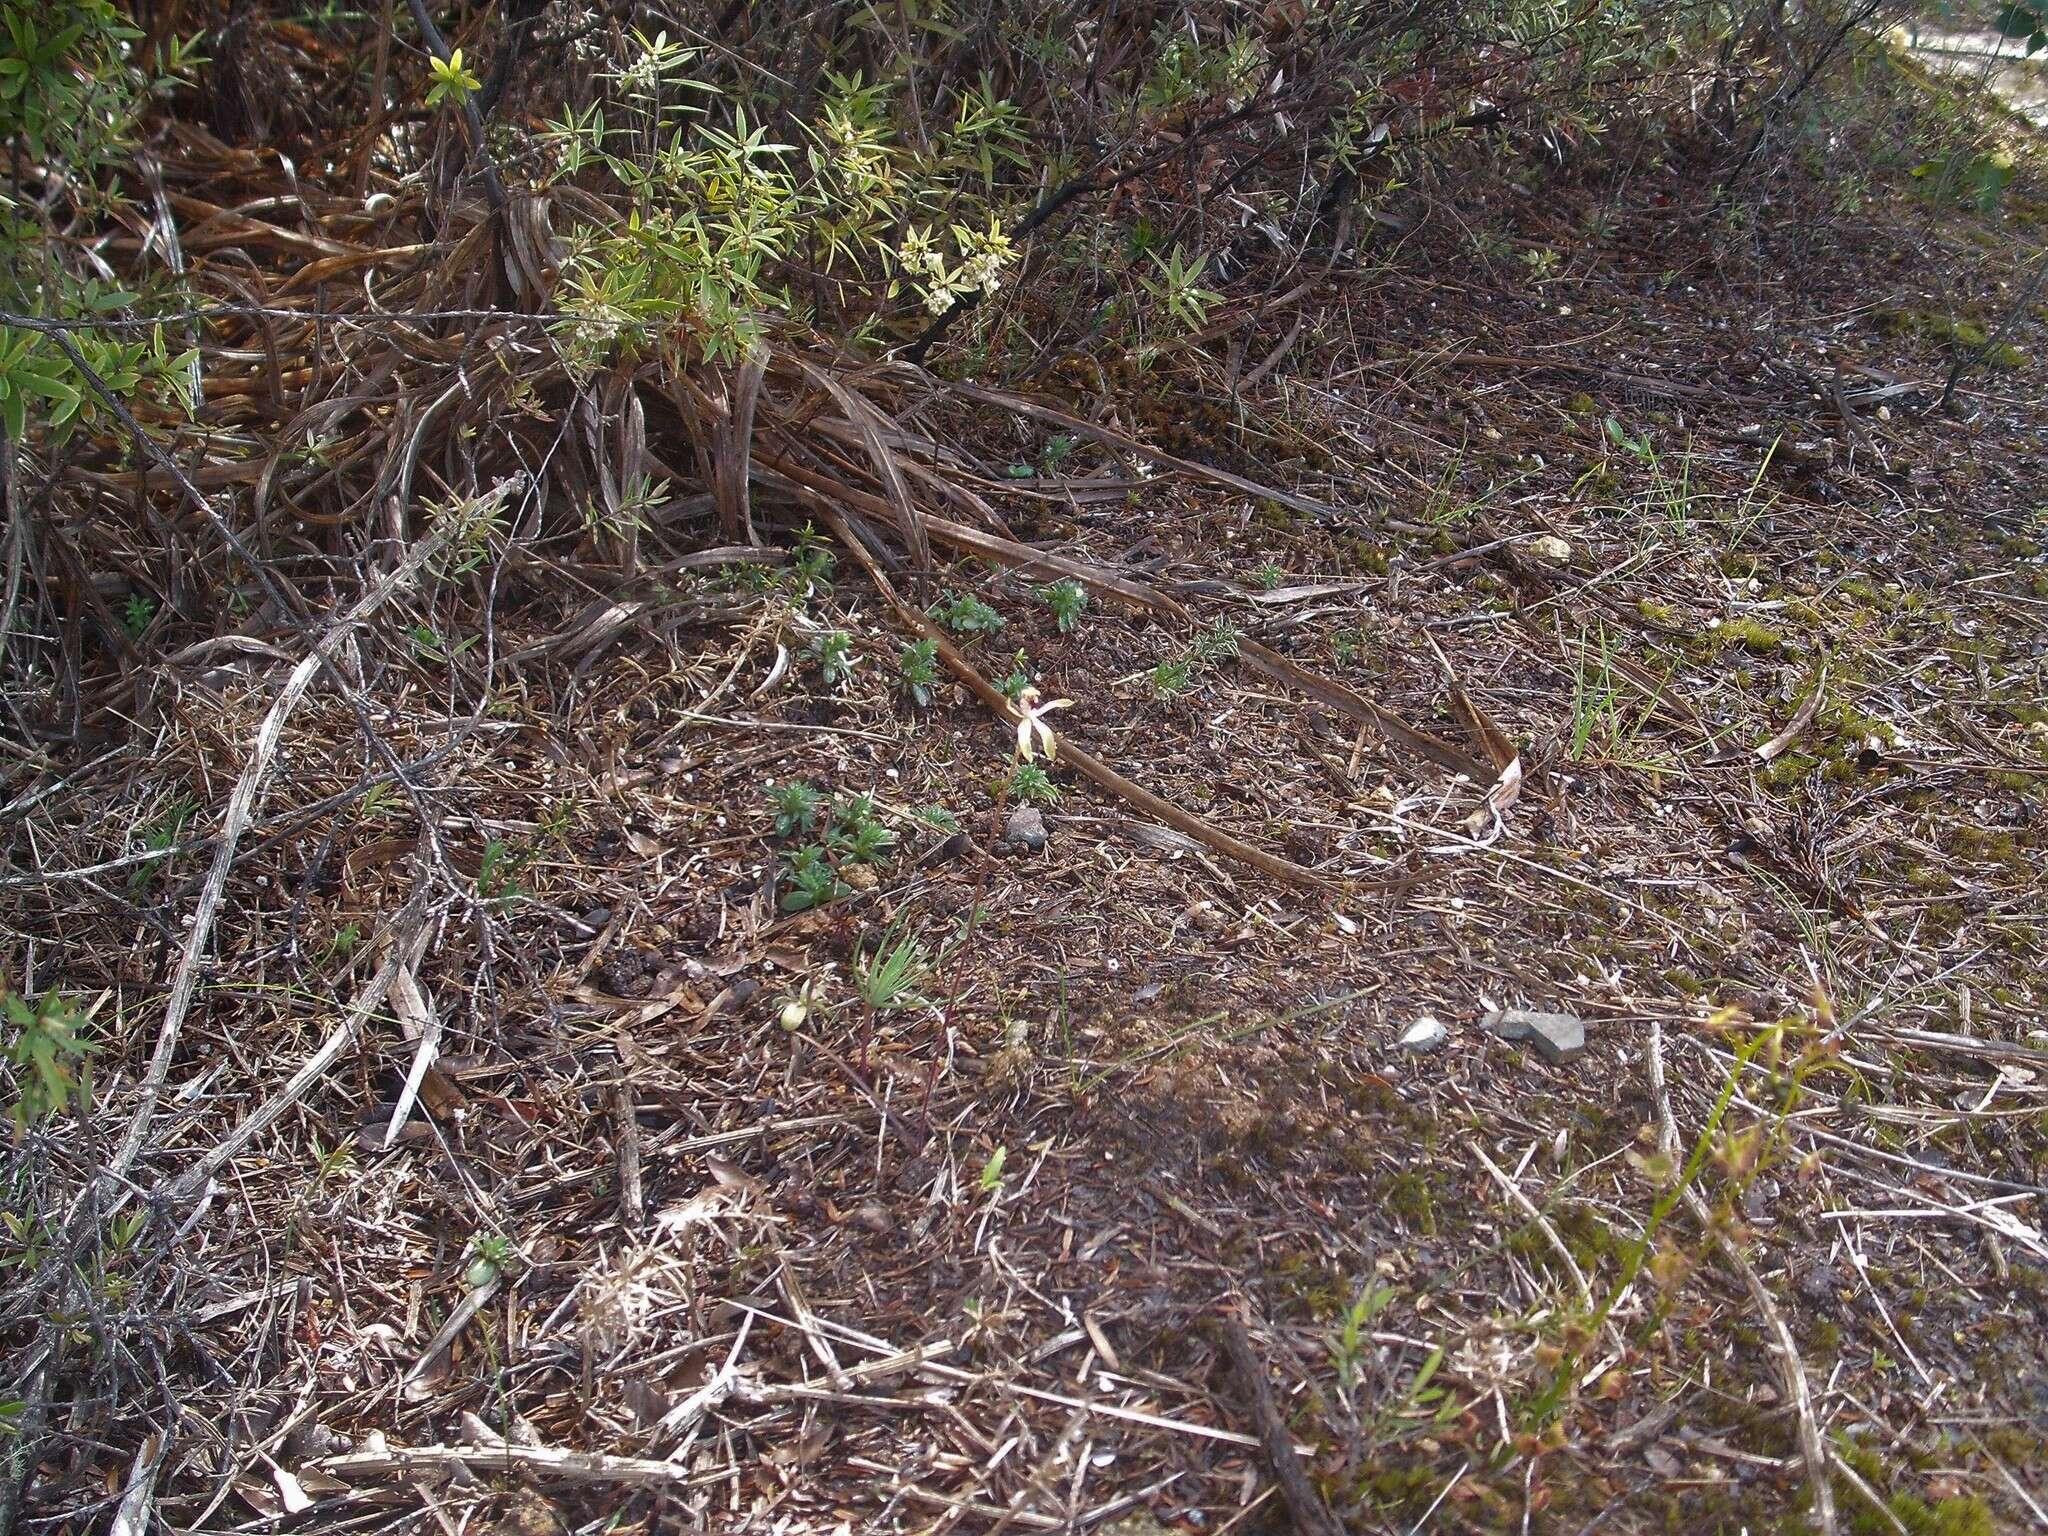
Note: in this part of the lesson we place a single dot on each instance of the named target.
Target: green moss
(1927, 877)
(1789, 771)
(1993, 845)
(1948, 330)
(1588, 1237)
(2012, 1444)
(1854, 726)
(1739, 564)
(1585, 1236)
(1358, 1157)
(1753, 635)
(1766, 1431)
(1679, 979)
(1301, 1283)
(1395, 1487)
(1408, 1197)
(1961, 1516)
(1862, 1460)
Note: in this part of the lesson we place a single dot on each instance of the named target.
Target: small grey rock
(646, 1402)
(1026, 829)
(314, 1439)
(1819, 1283)
(1425, 1034)
(1559, 1036)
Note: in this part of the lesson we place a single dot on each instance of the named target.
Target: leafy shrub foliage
(670, 224)
(72, 94)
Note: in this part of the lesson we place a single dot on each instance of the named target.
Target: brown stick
(1356, 707)
(1312, 1516)
(632, 1199)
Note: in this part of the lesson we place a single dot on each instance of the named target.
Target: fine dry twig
(1311, 1514)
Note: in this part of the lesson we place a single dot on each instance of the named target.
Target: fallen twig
(408, 940)
(542, 1461)
(1363, 711)
(241, 805)
(1312, 1516)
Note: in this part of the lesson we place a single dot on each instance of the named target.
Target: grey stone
(1425, 1034)
(1026, 829)
(1559, 1036)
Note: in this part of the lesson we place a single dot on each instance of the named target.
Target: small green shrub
(796, 807)
(161, 837)
(918, 670)
(1179, 287)
(888, 978)
(497, 876)
(814, 563)
(1171, 679)
(73, 91)
(716, 215)
(833, 653)
(853, 811)
(812, 881)
(867, 843)
(452, 81)
(47, 1051)
(857, 834)
(1216, 643)
(1017, 679)
(1066, 599)
(1032, 784)
(967, 615)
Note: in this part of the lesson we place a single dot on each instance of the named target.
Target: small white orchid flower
(1032, 731)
